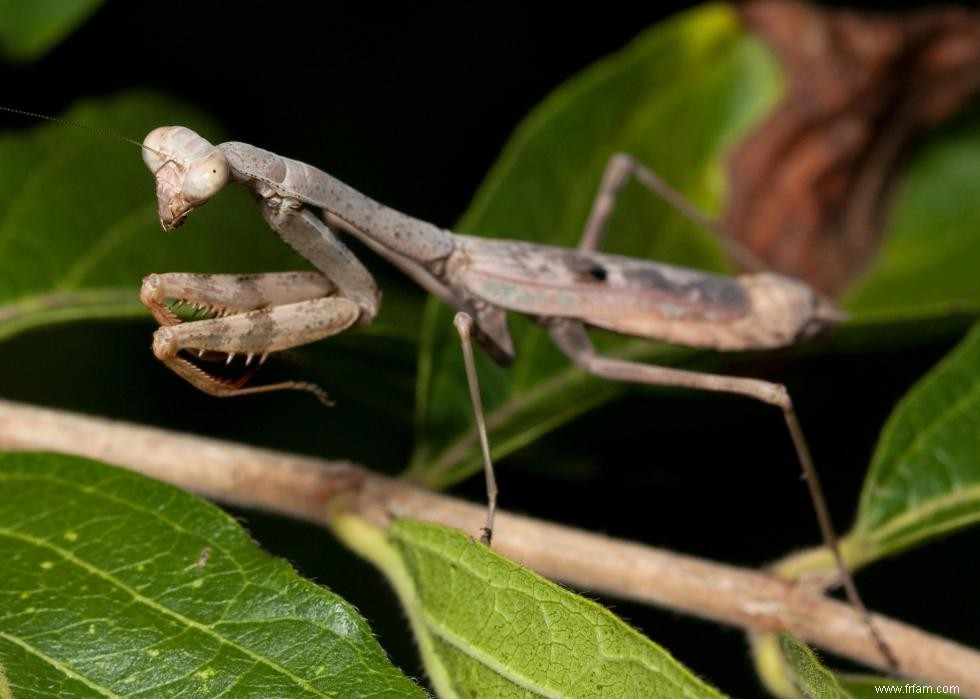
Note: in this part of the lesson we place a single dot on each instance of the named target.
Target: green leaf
(928, 261)
(809, 676)
(5, 692)
(924, 479)
(488, 627)
(641, 101)
(114, 584)
(28, 30)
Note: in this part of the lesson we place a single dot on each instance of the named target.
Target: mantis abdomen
(642, 298)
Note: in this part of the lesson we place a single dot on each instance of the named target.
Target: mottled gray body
(637, 297)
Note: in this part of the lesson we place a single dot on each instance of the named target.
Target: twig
(303, 487)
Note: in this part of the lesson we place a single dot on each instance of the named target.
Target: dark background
(412, 107)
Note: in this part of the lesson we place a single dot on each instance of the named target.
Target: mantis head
(188, 170)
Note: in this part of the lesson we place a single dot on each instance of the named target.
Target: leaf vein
(152, 604)
(61, 667)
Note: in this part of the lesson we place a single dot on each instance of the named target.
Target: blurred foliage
(640, 101)
(928, 261)
(28, 30)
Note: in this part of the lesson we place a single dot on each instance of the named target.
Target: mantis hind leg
(571, 338)
(618, 171)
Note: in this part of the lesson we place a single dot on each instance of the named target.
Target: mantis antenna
(77, 125)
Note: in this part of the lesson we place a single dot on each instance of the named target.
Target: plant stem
(313, 490)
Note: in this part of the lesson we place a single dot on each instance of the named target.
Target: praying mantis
(565, 290)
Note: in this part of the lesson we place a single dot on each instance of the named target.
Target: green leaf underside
(809, 676)
(924, 478)
(493, 628)
(641, 101)
(116, 585)
(28, 30)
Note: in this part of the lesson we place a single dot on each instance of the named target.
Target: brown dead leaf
(810, 187)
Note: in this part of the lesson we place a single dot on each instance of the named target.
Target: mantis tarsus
(565, 290)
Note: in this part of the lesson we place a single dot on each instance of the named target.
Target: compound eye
(205, 177)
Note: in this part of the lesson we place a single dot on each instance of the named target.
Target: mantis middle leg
(464, 325)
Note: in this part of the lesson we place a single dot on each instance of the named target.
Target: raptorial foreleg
(252, 315)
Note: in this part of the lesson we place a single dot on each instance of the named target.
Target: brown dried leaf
(809, 188)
